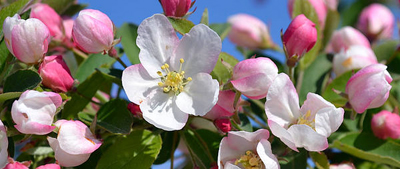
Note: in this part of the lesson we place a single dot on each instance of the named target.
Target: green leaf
(204, 17)
(296, 161)
(367, 146)
(349, 16)
(181, 25)
(333, 19)
(138, 150)
(339, 83)
(11, 10)
(82, 96)
(170, 141)
(9, 95)
(91, 63)
(128, 34)
(222, 29)
(245, 123)
(74, 9)
(385, 50)
(60, 6)
(40, 150)
(221, 72)
(115, 117)
(22, 80)
(112, 75)
(320, 160)
(5, 56)
(313, 77)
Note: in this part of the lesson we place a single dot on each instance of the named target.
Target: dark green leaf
(91, 63)
(128, 34)
(60, 6)
(138, 150)
(245, 123)
(181, 25)
(11, 10)
(115, 117)
(222, 29)
(320, 160)
(367, 146)
(297, 161)
(221, 72)
(170, 141)
(339, 83)
(5, 56)
(22, 80)
(74, 9)
(112, 75)
(9, 95)
(385, 50)
(204, 17)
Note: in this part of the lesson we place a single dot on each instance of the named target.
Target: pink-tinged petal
(3, 145)
(32, 127)
(265, 153)
(58, 123)
(161, 111)
(56, 74)
(356, 57)
(75, 138)
(157, 40)
(305, 136)
(328, 120)
(49, 166)
(224, 106)
(138, 83)
(345, 37)
(55, 97)
(199, 95)
(100, 16)
(200, 49)
(314, 103)
(386, 124)
(49, 17)
(65, 159)
(30, 40)
(282, 134)
(8, 26)
(282, 105)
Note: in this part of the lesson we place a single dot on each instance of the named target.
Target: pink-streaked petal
(224, 106)
(282, 105)
(199, 95)
(253, 87)
(265, 153)
(200, 49)
(305, 136)
(65, 159)
(8, 25)
(32, 127)
(161, 111)
(282, 134)
(49, 166)
(138, 83)
(328, 120)
(100, 16)
(314, 103)
(157, 40)
(55, 97)
(75, 138)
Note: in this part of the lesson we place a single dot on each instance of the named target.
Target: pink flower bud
(332, 4)
(68, 24)
(49, 166)
(356, 57)
(74, 143)
(3, 145)
(344, 38)
(376, 21)
(17, 165)
(49, 17)
(93, 31)
(34, 112)
(55, 74)
(27, 40)
(223, 124)
(253, 77)
(224, 106)
(177, 8)
(369, 87)
(386, 124)
(319, 7)
(135, 110)
(249, 32)
(299, 37)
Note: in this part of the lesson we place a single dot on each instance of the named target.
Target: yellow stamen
(305, 119)
(250, 161)
(172, 80)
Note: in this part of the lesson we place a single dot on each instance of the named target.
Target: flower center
(250, 161)
(305, 119)
(173, 81)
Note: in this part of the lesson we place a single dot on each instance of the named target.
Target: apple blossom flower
(176, 8)
(27, 40)
(34, 111)
(241, 149)
(74, 143)
(319, 7)
(173, 78)
(49, 166)
(55, 74)
(252, 77)
(376, 21)
(386, 124)
(17, 165)
(369, 87)
(356, 57)
(249, 32)
(343, 38)
(299, 38)
(49, 17)
(3, 145)
(93, 31)
(308, 126)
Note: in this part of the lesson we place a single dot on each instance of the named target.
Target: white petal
(138, 83)
(199, 95)
(265, 153)
(328, 120)
(282, 134)
(3, 145)
(65, 159)
(305, 136)
(161, 111)
(157, 41)
(282, 105)
(200, 49)
(314, 103)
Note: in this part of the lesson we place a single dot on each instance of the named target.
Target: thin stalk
(121, 62)
(204, 144)
(291, 74)
(190, 151)
(80, 53)
(299, 80)
(173, 149)
(362, 120)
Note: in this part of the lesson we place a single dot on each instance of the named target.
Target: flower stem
(203, 143)
(80, 53)
(291, 74)
(121, 62)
